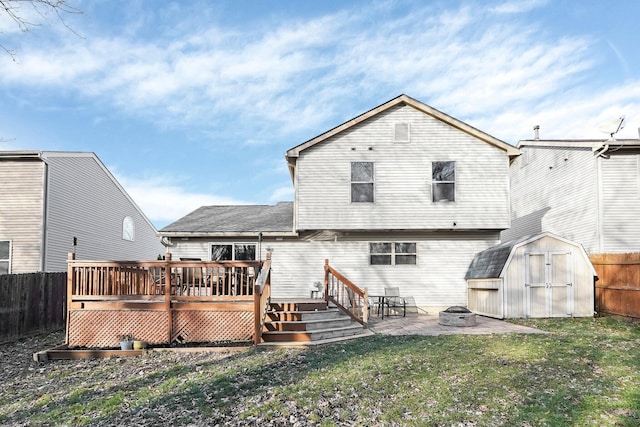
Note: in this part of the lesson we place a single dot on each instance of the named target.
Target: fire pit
(457, 316)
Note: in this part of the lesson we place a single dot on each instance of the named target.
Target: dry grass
(584, 373)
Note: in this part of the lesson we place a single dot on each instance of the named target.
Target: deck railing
(262, 298)
(189, 296)
(345, 295)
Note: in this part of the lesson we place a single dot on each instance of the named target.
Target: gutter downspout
(599, 155)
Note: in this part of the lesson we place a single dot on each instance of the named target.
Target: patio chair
(392, 299)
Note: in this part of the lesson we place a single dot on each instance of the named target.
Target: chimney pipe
(536, 132)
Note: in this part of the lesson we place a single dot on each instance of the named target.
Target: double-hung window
(443, 181)
(362, 182)
(233, 252)
(5, 256)
(392, 253)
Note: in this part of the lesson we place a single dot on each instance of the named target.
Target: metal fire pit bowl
(457, 316)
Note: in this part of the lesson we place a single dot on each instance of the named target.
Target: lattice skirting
(103, 328)
(212, 326)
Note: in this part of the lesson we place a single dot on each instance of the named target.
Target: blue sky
(194, 103)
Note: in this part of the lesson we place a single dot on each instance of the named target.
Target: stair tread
(304, 344)
(317, 331)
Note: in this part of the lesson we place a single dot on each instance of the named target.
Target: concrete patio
(427, 324)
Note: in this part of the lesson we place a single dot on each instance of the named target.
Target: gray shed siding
(402, 178)
(85, 201)
(506, 296)
(555, 189)
(436, 282)
(21, 212)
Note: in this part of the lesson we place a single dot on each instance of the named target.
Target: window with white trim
(392, 253)
(443, 181)
(233, 251)
(401, 132)
(5, 257)
(362, 182)
(128, 229)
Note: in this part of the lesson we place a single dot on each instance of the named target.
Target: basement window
(392, 253)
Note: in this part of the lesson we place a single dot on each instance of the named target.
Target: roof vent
(536, 132)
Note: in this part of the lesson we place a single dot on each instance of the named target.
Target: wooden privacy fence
(618, 285)
(31, 302)
(167, 301)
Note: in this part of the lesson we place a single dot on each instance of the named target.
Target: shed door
(549, 290)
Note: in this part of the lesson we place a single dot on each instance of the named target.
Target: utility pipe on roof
(603, 150)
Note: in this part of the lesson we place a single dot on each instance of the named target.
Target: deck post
(70, 279)
(326, 280)
(365, 307)
(167, 295)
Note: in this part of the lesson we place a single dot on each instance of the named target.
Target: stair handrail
(261, 298)
(347, 296)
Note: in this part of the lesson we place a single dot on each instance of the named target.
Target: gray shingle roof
(490, 262)
(238, 218)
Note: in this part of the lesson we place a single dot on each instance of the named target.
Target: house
(534, 276)
(402, 195)
(53, 203)
(587, 191)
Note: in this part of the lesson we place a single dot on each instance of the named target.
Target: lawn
(585, 372)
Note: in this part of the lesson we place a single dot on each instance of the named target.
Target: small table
(378, 302)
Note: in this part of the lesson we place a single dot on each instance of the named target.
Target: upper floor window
(128, 229)
(401, 132)
(443, 181)
(5, 257)
(392, 253)
(362, 182)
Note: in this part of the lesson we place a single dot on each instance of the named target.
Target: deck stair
(308, 322)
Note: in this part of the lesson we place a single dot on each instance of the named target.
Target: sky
(194, 103)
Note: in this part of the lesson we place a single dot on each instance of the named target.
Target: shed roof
(491, 262)
(234, 220)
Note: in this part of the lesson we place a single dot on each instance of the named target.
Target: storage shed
(534, 276)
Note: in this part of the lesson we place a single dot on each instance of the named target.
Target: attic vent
(401, 132)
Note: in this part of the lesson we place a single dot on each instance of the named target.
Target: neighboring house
(400, 196)
(51, 200)
(587, 191)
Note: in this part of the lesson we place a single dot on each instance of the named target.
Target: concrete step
(317, 343)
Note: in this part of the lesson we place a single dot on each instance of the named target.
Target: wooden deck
(167, 301)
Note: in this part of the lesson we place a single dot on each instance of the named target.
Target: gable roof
(406, 100)
(238, 220)
(491, 262)
(45, 155)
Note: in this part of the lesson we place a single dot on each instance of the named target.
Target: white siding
(436, 281)
(556, 191)
(621, 203)
(85, 202)
(402, 178)
(21, 212)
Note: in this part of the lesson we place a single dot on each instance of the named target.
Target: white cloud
(299, 75)
(165, 203)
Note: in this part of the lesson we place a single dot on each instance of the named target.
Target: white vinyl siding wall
(620, 203)
(21, 212)
(555, 192)
(86, 203)
(402, 178)
(437, 280)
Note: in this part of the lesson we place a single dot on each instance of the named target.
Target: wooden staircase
(307, 323)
